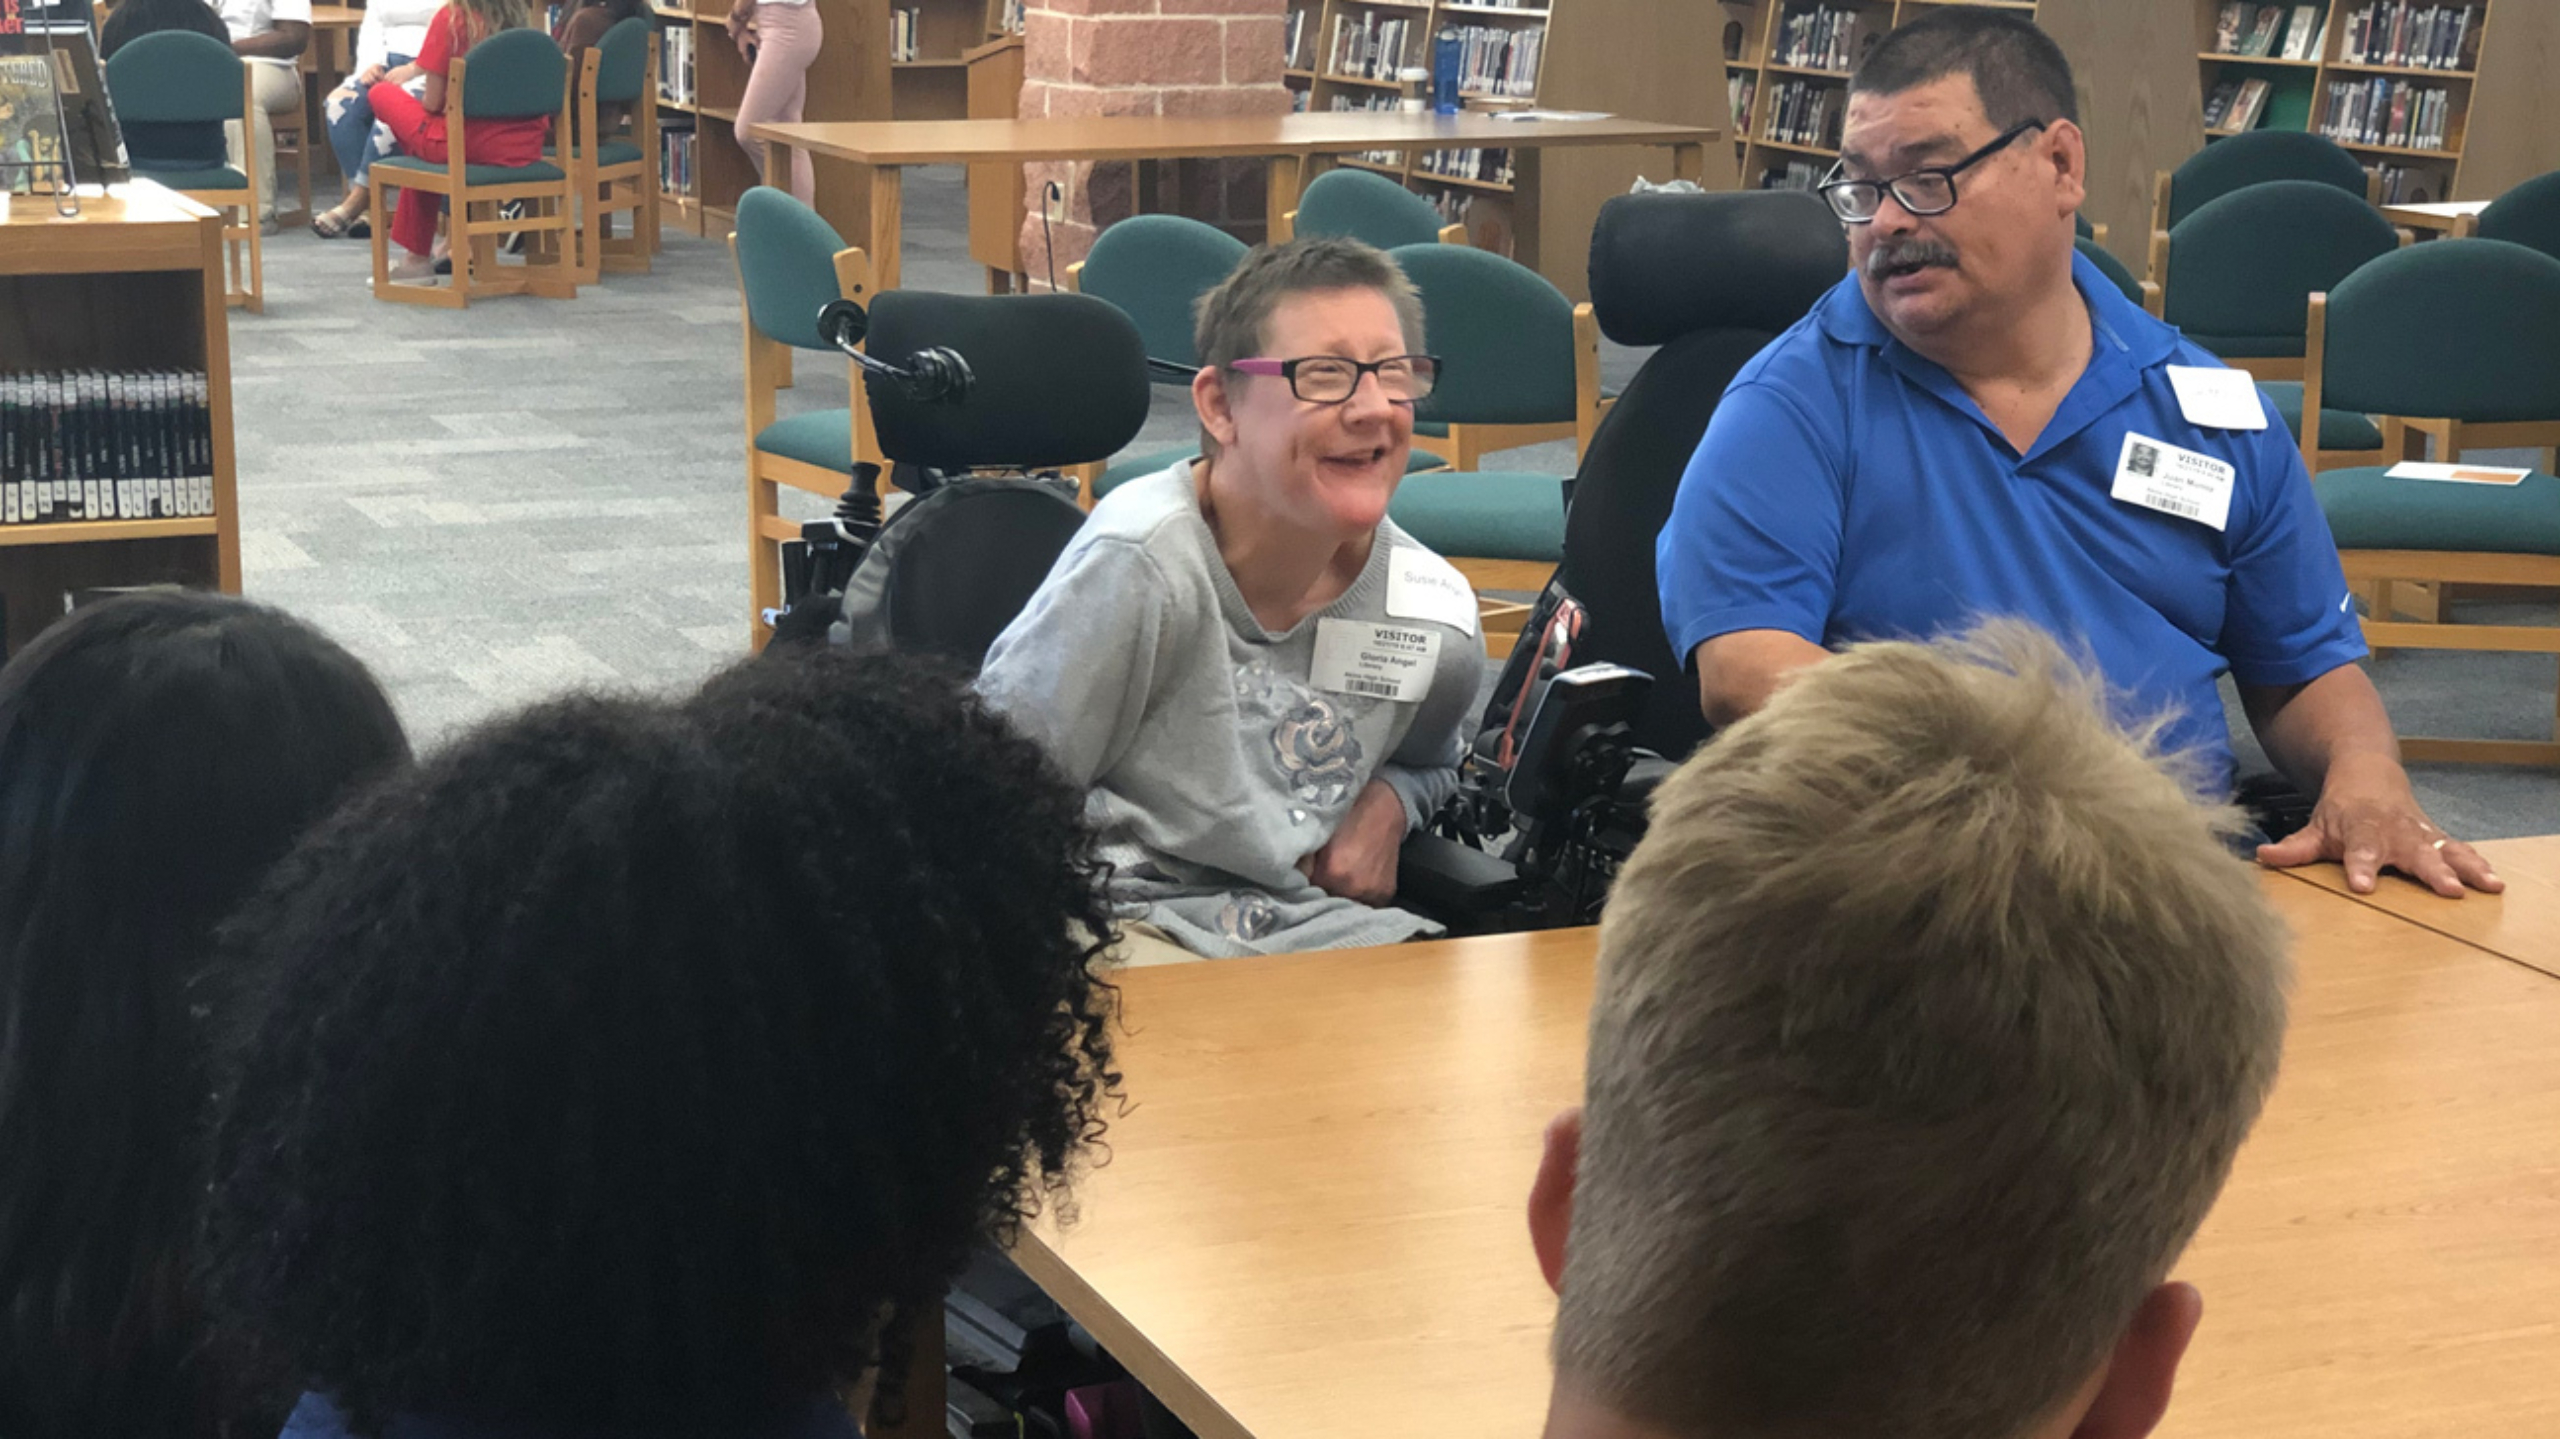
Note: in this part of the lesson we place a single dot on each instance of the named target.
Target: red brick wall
(1148, 57)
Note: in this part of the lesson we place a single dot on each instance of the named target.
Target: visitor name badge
(2159, 476)
(1386, 662)
(1423, 586)
(2218, 399)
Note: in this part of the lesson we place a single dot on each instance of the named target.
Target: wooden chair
(2527, 215)
(2240, 161)
(521, 74)
(292, 132)
(790, 264)
(181, 77)
(1550, 385)
(617, 173)
(1152, 268)
(1366, 206)
(2465, 335)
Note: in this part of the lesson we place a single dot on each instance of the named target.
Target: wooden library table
(2455, 217)
(1310, 1222)
(2522, 924)
(882, 148)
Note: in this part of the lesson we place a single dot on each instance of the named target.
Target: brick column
(1148, 57)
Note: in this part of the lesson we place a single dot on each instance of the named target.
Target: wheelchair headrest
(1668, 265)
(1060, 379)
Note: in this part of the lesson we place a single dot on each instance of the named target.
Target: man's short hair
(2016, 68)
(1230, 321)
(1930, 1014)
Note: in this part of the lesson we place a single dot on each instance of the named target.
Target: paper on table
(1553, 115)
(2457, 474)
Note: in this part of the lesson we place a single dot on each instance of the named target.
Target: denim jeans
(351, 130)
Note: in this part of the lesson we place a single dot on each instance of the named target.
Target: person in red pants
(418, 121)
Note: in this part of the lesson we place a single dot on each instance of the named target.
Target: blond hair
(484, 18)
(1930, 1013)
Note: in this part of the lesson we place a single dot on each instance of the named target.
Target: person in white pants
(269, 34)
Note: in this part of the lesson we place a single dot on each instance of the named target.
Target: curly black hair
(622, 1065)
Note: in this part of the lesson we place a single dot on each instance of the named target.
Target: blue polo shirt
(1849, 489)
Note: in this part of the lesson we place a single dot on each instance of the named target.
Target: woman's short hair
(157, 753)
(1230, 322)
(623, 1063)
(1930, 1014)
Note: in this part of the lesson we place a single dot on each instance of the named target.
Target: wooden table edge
(2313, 875)
(782, 133)
(1150, 1366)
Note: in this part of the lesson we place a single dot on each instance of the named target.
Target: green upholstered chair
(618, 174)
(791, 263)
(2236, 273)
(2082, 229)
(2466, 331)
(2113, 268)
(2527, 215)
(512, 75)
(2254, 158)
(1153, 268)
(178, 77)
(1532, 356)
(1368, 206)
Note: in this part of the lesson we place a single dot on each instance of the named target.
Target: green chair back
(2082, 229)
(514, 75)
(786, 265)
(1154, 268)
(2255, 158)
(2463, 330)
(1504, 333)
(175, 77)
(2242, 270)
(622, 61)
(2527, 215)
(2111, 267)
(1368, 207)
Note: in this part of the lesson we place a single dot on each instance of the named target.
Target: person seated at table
(1929, 1015)
(387, 45)
(625, 1063)
(270, 35)
(157, 753)
(167, 144)
(1263, 681)
(418, 123)
(1977, 422)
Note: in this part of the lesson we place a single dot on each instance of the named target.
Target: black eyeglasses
(1332, 380)
(1930, 190)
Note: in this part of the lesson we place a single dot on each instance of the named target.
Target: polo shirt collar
(2125, 341)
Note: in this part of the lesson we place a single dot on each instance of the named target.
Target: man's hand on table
(1359, 862)
(2368, 820)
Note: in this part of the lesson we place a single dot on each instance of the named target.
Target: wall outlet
(1053, 200)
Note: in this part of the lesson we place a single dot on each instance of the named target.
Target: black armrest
(1451, 881)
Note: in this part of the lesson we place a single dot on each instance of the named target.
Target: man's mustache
(1916, 253)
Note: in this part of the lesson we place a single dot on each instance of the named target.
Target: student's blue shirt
(1849, 489)
(316, 1417)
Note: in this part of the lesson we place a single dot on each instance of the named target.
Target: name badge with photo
(1386, 662)
(2160, 476)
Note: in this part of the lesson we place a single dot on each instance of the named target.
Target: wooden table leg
(887, 202)
(1689, 162)
(1282, 196)
(777, 165)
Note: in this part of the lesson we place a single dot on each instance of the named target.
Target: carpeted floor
(493, 505)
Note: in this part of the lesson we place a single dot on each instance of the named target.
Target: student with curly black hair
(623, 1065)
(157, 753)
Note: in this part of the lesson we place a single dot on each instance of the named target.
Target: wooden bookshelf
(135, 282)
(1636, 58)
(850, 80)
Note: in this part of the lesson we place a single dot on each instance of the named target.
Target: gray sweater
(1218, 754)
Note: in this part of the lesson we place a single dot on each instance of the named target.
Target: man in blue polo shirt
(1976, 423)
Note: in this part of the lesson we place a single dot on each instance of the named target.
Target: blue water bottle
(1444, 73)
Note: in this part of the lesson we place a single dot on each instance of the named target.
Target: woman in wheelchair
(1261, 680)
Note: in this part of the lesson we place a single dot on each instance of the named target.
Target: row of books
(904, 22)
(1391, 159)
(1013, 20)
(1492, 167)
(1825, 37)
(1740, 87)
(2402, 185)
(2405, 32)
(1804, 112)
(675, 162)
(1296, 51)
(2403, 114)
(2266, 30)
(1499, 59)
(1793, 175)
(99, 445)
(2236, 105)
(675, 64)
(1369, 46)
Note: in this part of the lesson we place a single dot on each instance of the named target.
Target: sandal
(330, 225)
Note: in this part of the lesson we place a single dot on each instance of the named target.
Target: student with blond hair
(1930, 1014)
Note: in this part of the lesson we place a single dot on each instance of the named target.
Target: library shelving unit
(702, 77)
(2393, 81)
(134, 283)
(1793, 72)
(1636, 58)
(931, 41)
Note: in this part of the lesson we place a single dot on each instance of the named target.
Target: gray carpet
(494, 505)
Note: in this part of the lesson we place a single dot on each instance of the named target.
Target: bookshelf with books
(702, 76)
(929, 43)
(116, 463)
